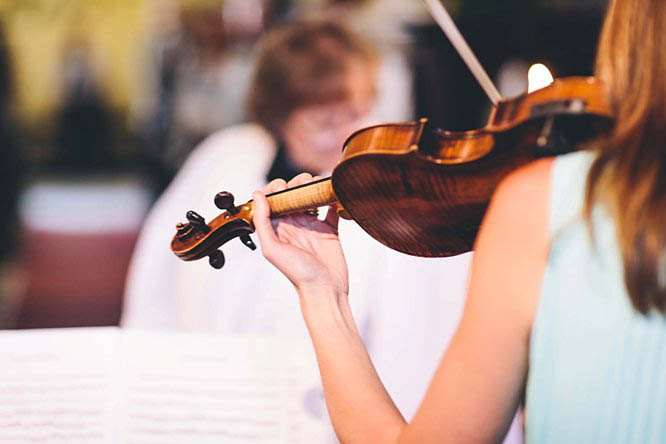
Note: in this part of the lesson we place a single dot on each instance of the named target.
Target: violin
(419, 189)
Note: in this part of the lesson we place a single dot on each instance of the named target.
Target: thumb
(262, 222)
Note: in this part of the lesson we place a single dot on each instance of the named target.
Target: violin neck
(304, 197)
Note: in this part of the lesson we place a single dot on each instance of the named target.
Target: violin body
(418, 189)
(423, 191)
(400, 195)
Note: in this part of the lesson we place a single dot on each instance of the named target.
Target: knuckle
(300, 179)
(276, 185)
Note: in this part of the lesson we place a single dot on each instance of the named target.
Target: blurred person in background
(84, 129)
(11, 176)
(315, 83)
(201, 80)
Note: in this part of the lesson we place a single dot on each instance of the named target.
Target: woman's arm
(477, 387)
(308, 252)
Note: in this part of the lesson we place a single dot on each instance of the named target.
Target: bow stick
(447, 25)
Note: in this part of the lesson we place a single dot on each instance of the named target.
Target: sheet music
(55, 386)
(109, 385)
(202, 388)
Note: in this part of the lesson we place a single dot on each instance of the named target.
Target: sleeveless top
(597, 368)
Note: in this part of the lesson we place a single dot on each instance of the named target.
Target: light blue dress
(597, 367)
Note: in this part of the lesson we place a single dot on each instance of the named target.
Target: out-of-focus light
(538, 77)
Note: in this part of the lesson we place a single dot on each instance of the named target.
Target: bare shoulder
(518, 211)
(512, 245)
(528, 184)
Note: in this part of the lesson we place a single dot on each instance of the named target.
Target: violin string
(447, 25)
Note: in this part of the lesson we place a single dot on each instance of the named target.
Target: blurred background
(101, 102)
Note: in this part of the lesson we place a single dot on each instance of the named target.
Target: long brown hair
(630, 169)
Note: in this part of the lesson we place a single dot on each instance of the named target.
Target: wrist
(325, 306)
(320, 293)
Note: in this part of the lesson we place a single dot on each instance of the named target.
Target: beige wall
(39, 30)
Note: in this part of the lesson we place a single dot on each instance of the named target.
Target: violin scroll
(198, 239)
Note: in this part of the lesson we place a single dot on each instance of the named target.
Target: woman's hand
(304, 248)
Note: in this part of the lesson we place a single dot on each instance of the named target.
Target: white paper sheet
(56, 386)
(109, 385)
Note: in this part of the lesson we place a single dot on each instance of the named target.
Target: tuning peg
(247, 241)
(216, 259)
(225, 201)
(197, 221)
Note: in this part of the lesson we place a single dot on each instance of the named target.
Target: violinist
(566, 303)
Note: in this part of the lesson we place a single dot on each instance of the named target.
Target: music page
(107, 385)
(56, 386)
(210, 389)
